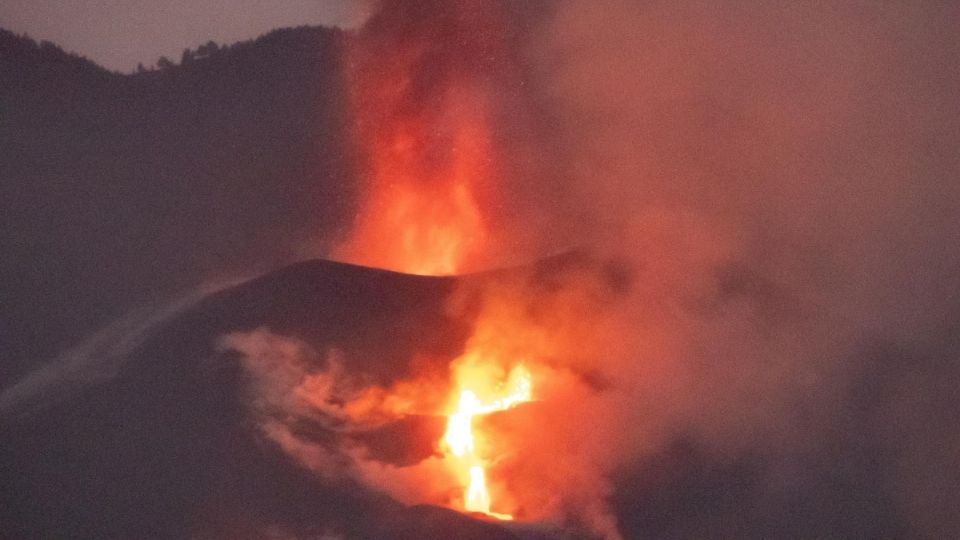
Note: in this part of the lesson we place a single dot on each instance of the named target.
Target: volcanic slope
(166, 447)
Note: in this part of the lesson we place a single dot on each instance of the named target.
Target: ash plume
(782, 181)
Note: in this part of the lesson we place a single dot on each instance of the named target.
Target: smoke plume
(779, 185)
(784, 179)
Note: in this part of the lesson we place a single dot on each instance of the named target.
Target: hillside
(169, 444)
(235, 157)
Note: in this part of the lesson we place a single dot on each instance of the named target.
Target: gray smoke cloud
(784, 180)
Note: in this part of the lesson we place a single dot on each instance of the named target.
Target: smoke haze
(784, 179)
(783, 182)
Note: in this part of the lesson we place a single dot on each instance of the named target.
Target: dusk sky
(118, 34)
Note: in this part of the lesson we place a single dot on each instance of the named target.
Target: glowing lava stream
(460, 439)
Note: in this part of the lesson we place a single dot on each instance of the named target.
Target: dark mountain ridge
(201, 166)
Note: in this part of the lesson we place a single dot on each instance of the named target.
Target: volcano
(166, 444)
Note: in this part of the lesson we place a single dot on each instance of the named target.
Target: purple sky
(120, 33)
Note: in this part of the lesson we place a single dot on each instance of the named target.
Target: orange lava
(423, 133)
(477, 378)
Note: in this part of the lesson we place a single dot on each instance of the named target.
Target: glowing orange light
(421, 214)
(427, 160)
(460, 437)
(477, 498)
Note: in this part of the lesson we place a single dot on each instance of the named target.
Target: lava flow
(460, 438)
(423, 119)
(424, 219)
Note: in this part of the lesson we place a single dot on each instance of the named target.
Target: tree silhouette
(187, 57)
(208, 49)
